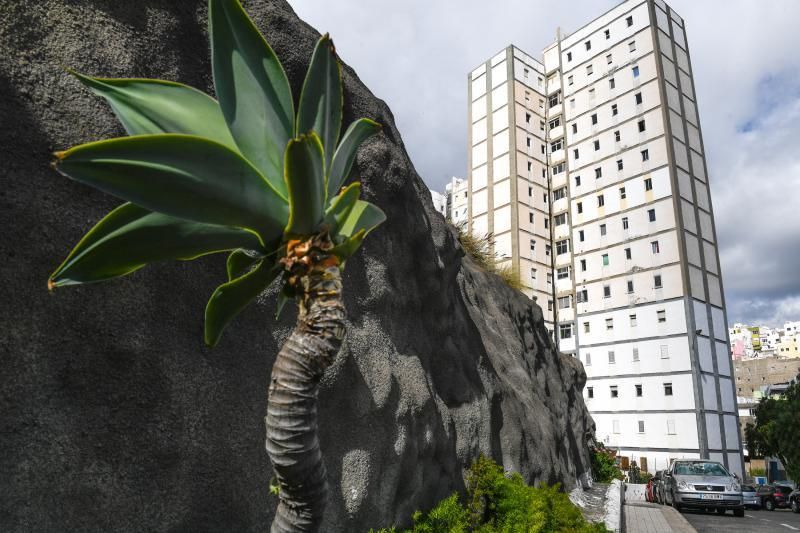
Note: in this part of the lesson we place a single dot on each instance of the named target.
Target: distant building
(754, 375)
(439, 202)
(453, 203)
(763, 341)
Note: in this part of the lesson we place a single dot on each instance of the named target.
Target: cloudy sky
(415, 54)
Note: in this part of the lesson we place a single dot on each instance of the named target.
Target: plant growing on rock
(250, 177)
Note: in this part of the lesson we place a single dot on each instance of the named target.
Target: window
(547, 249)
(657, 281)
(651, 215)
(544, 175)
(583, 269)
(583, 296)
(539, 81)
(565, 331)
(572, 103)
(632, 46)
(608, 34)
(616, 136)
(620, 166)
(622, 194)
(627, 253)
(642, 126)
(525, 72)
(562, 273)
(610, 60)
(576, 154)
(614, 110)
(541, 125)
(554, 100)
(641, 426)
(528, 141)
(602, 230)
(611, 83)
(632, 318)
(550, 305)
(588, 45)
(530, 166)
(556, 122)
(590, 392)
(533, 248)
(596, 145)
(662, 316)
(533, 274)
(629, 20)
(581, 236)
(601, 200)
(564, 303)
(559, 193)
(579, 207)
(638, 390)
(587, 327)
(635, 354)
(569, 56)
(606, 290)
(670, 427)
(558, 169)
(648, 184)
(638, 97)
(654, 247)
(562, 247)
(609, 323)
(544, 196)
(614, 391)
(530, 218)
(546, 223)
(561, 219)
(598, 172)
(625, 224)
(588, 359)
(591, 94)
(664, 351)
(612, 359)
(594, 119)
(527, 96)
(630, 288)
(541, 103)
(635, 72)
(667, 389)
(589, 70)
(575, 128)
(615, 426)
(577, 181)
(557, 145)
(527, 118)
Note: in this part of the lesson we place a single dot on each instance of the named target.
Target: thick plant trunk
(292, 440)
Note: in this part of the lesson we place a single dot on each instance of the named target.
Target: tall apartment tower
(588, 169)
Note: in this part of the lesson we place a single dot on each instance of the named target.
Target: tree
(776, 430)
(247, 176)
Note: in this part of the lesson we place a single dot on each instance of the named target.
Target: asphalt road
(778, 521)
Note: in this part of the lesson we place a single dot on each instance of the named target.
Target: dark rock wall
(113, 414)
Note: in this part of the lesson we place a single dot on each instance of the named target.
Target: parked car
(750, 497)
(794, 500)
(648, 491)
(774, 496)
(702, 484)
(658, 487)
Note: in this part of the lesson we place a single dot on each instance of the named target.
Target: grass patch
(479, 248)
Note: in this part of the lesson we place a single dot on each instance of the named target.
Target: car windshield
(700, 469)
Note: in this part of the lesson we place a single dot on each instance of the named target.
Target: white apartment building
(456, 193)
(588, 167)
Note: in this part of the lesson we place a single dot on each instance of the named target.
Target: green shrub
(604, 464)
(760, 472)
(500, 503)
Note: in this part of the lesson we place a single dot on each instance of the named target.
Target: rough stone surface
(115, 417)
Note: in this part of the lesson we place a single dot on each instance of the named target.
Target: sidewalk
(643, 517)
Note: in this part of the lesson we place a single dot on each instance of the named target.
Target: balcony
(555, 133)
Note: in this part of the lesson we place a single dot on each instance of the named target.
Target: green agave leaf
(232, 297)
(345, 154)
(320, 107)
(303, 171)
(341, 206)
(130, 237)
(157, 106)
(361, 220)
(182, 176)
(240, 261)
(252, 88)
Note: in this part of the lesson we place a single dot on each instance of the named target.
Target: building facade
(588, 167)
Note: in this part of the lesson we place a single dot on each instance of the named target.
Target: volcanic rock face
(115, 417)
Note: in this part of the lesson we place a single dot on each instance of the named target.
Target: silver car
(702, 484)
(750, 498)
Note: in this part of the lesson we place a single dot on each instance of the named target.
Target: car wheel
(795, 506)
(738, 512)
(769, 505)
(720, 510)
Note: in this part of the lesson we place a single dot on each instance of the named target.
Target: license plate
(711, 496)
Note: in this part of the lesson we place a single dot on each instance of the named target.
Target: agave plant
(247, 176)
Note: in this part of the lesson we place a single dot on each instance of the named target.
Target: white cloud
(416, 54)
